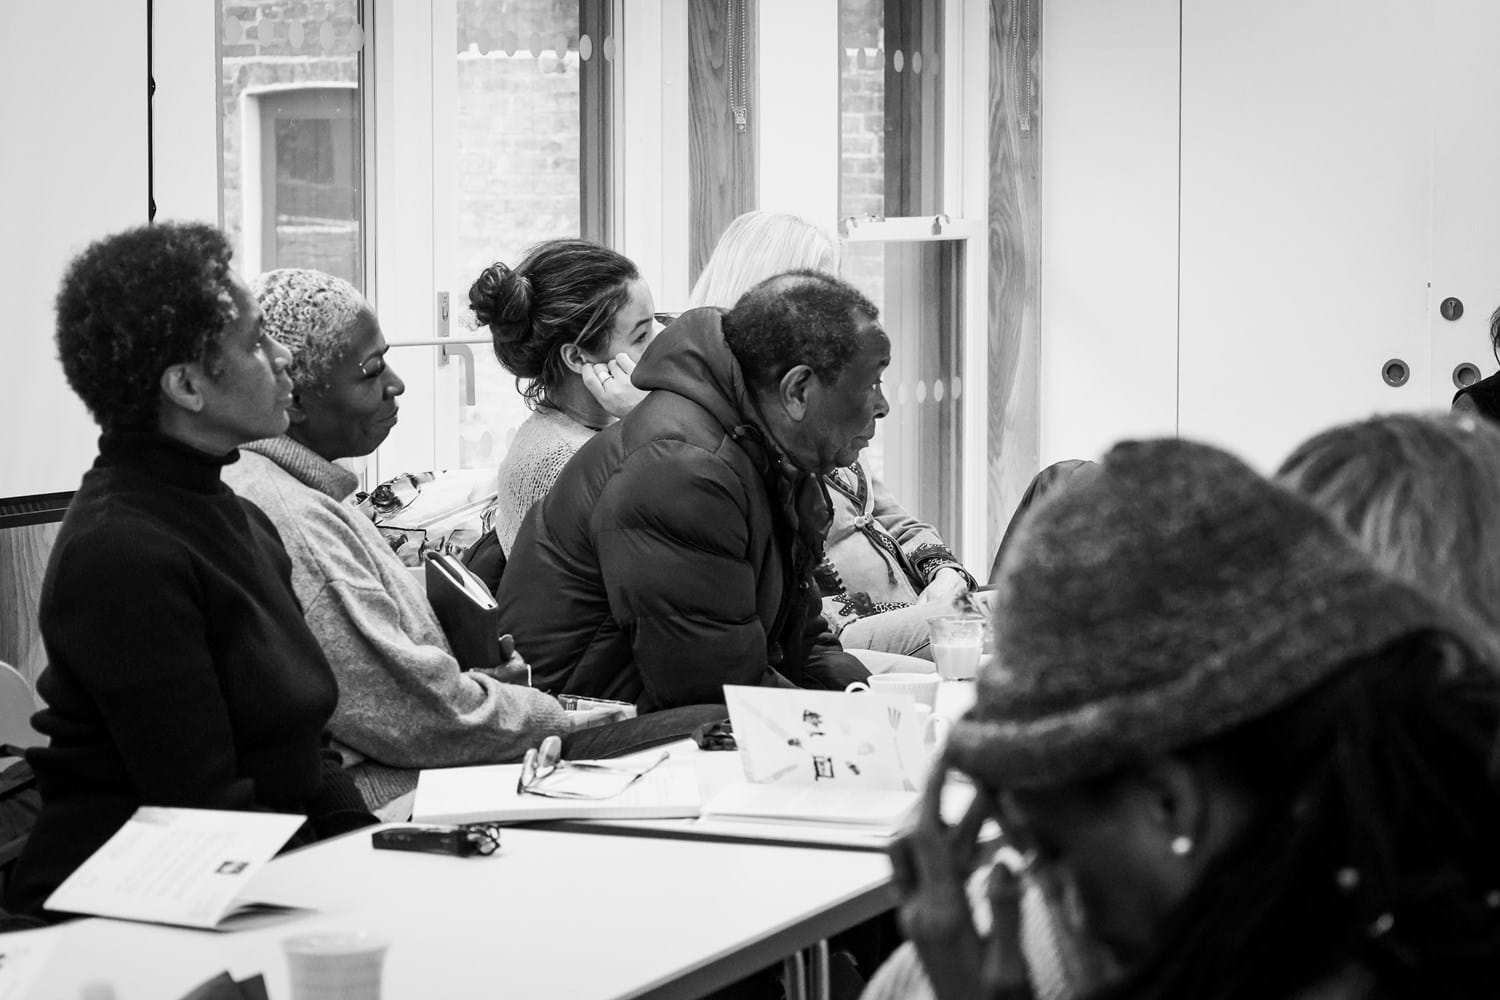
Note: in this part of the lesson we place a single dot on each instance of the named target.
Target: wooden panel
(721, 158)
(23, 561)
(1014, 253)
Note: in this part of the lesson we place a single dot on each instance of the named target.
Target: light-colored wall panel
(73, 118)
(1108, 351)
(185, 111)
(1306, 186)
(1466, 197)
(797, 121)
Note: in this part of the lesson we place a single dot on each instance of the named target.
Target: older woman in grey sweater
(404, 702)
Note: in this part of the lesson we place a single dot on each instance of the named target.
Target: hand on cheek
(610, 384)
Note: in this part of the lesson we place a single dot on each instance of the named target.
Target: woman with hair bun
(569, 322)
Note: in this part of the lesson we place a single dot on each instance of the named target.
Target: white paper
(177, 866)
(830, 739)
(23, 956)
(875, 808)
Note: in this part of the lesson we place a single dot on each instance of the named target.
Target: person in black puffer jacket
(675, 553)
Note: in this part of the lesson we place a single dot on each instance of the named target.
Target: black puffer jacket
(674, 554)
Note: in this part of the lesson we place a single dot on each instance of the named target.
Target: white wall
(73, 121)
(1108, 352)
(1249, 208)
(1306, 194)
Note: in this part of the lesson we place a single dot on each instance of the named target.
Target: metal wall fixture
(1465, 374)
(1395, 372)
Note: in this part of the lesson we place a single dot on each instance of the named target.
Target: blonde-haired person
(1419, 493)
(757, 245)
(884, 572)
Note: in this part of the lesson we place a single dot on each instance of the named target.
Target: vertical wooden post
(721, 158)
(1014, 252)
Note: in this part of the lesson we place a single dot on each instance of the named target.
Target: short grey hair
(311, 313)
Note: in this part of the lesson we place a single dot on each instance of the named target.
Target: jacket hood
(691, 359)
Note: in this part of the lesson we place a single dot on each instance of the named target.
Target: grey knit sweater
(403, 701)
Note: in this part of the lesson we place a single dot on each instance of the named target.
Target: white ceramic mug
(335, 965)
(933, 727)
(922, 687)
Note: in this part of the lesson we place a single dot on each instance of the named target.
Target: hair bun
(501, 300)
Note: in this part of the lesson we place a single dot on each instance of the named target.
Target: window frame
(258, 117)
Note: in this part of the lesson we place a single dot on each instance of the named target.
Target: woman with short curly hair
(180, 672)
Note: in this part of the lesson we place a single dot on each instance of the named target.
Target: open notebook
(487, 793)
(847, 762)
(814, 767)
(187, 867)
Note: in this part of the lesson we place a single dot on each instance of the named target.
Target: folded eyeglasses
(545, 773)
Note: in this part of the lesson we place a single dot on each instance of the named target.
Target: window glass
(531, 163)
(293, 165)
(918, 446)
(890, 107)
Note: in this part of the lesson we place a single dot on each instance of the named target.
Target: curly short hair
(132, 305)
(562, 292)
(801, 317)
(312, 313)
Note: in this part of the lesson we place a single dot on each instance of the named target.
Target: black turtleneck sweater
(180, 671)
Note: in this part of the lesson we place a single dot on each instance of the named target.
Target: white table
(567, 915)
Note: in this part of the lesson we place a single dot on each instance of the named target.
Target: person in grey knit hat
(1250, 763)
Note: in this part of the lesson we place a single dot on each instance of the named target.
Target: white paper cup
(922, 687)
(335, 965)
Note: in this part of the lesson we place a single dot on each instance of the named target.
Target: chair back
(1044, 482)
(17, 704)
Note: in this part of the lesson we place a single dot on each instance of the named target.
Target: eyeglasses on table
(545, 773)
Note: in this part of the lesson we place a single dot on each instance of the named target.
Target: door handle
(461, 351)
(447, 350)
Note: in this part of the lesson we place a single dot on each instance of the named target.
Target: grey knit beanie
(1166, 599)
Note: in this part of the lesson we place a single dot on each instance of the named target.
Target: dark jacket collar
(161, 457)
